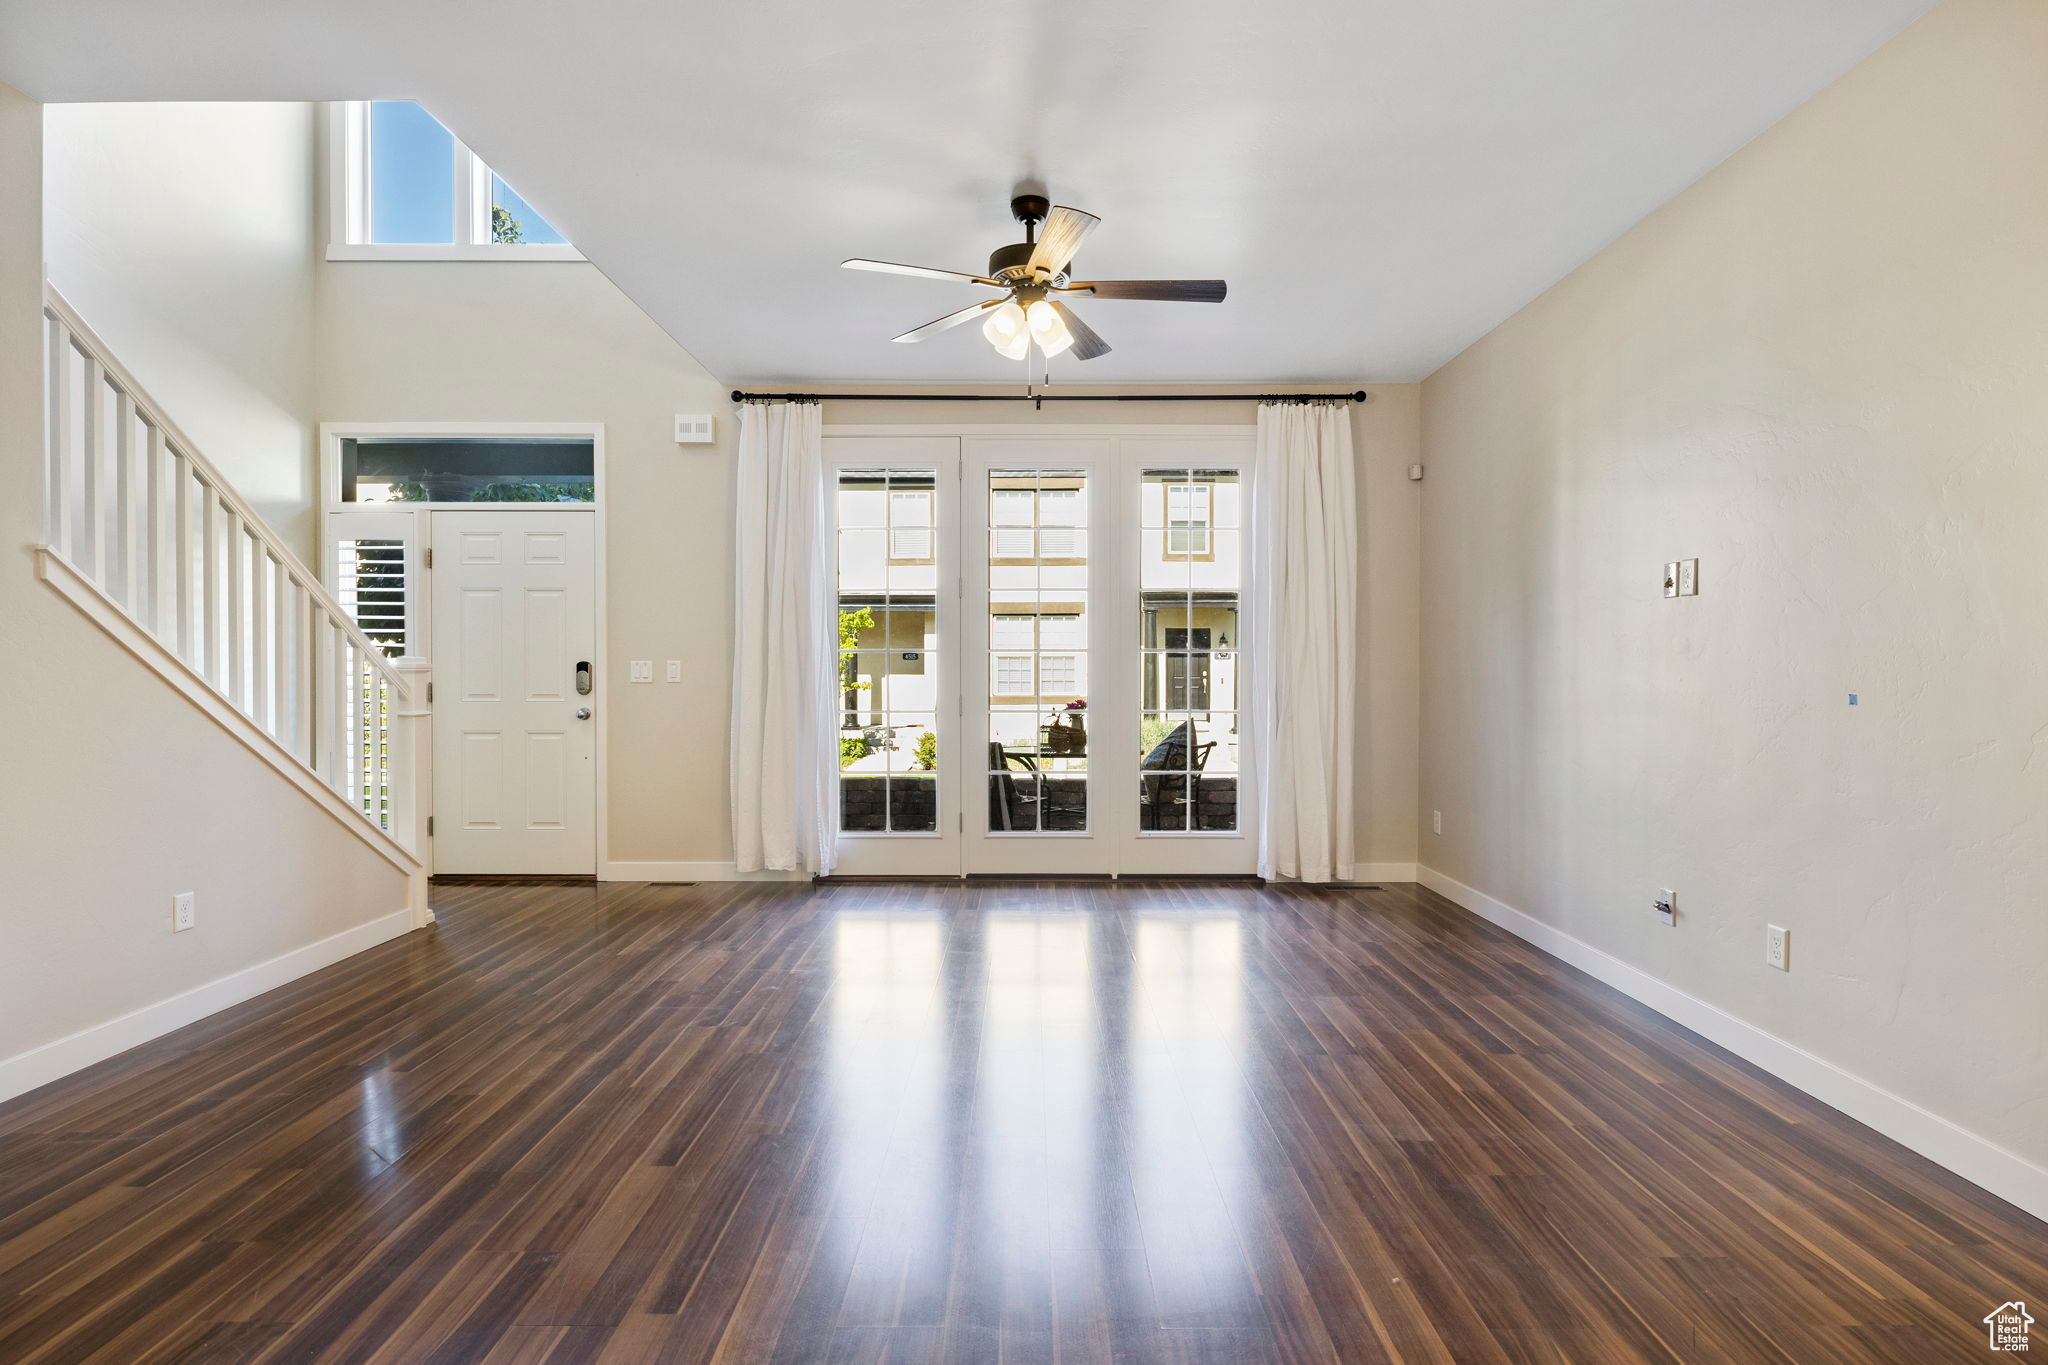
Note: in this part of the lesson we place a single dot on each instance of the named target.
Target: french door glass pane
(888, 642)
(1190, 579)
(1037, 674)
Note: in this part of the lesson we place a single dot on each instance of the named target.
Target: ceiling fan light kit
(1033, 274)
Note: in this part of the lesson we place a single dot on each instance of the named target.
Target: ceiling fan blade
(1059, 237)
(921, 271)
(1088, 343)
(1167, 291)
(953, 319)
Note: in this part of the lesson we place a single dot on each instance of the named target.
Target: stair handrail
(57, 307)
(178, 552)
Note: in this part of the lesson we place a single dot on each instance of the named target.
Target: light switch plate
(675, 670)
(642, 671)
(694, 429)
(1688, 578)
(1671, 579)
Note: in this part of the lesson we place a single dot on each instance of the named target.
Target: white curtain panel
(1302, 637)
(785, 754)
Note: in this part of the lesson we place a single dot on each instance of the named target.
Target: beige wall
(1386, 436)
(99, 825)
(556, 342)
(1823, 371)
(183, 234)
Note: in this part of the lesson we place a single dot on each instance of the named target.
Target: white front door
(514, 629)
(1039, 654)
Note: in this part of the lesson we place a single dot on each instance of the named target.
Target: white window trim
(348, 209)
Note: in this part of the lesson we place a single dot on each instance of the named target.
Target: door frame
(1118, 825)
(419, 619)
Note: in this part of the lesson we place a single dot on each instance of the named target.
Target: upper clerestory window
(406, 189)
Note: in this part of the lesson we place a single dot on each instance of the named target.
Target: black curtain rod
(742, 396)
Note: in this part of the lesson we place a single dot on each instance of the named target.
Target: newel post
(412, 781)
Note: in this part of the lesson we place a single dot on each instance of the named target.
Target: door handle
(583, 677)
(583, 713)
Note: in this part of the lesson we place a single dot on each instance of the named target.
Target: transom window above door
(405, 188)
(379, 469)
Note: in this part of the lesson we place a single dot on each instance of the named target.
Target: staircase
(146, 538)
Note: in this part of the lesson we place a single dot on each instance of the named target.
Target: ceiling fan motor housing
(1010, 263)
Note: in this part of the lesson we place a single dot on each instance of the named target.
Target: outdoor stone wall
(1215, 802)
(869, 803)
(866, 803)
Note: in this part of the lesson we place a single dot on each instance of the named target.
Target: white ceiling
(1381, 183)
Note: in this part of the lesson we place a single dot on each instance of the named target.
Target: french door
(1039, 671)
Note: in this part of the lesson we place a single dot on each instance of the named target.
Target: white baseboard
(610, 871)
(52, 1061)
(2006, 1174)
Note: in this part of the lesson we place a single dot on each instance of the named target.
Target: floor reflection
(1188, 1109)
(380, 1129)
(887, 1129)
(1037, 1107)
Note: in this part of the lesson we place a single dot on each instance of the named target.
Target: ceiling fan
(1032, 274)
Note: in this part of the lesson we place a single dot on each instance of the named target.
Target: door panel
(1192, 812)
(1040, 521)
(514, 766)
(900, 718)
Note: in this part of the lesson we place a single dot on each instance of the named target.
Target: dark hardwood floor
(991, 1122)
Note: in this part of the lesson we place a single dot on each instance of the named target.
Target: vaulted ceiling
(1381, 183)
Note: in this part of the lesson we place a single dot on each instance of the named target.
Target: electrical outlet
(1436, 821)
(1666, 906)
(1671, 578)
(184, 912)
(1688, 578)
(675, 670)
(642, 671)
(1778, 947)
